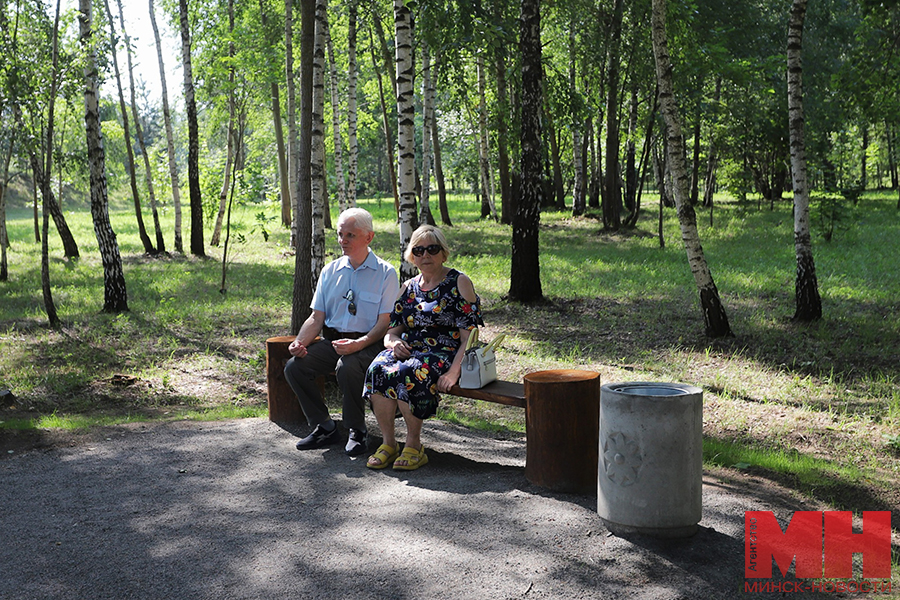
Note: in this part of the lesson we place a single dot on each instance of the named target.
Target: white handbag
(479, 366)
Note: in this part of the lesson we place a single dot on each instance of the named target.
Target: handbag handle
(495, 343)
(473, 339)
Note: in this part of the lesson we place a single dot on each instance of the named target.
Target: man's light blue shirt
(375, 289)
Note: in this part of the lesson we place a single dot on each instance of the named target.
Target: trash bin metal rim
(652, 389)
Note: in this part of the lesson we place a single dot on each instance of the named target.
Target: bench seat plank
(501, 392)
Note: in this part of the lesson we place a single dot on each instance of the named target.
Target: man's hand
(345, 346)
(297, 349)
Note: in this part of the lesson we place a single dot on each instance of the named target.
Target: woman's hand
(448, 380)
(401, 349)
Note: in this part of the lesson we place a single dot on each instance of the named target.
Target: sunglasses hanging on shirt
(352, 307)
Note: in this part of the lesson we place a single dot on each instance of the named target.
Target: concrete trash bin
(650, 467)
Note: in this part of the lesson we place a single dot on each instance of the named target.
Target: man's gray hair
(360, 217)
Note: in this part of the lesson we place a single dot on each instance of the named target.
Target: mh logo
(822, 543)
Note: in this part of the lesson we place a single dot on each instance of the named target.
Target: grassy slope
(812, 406)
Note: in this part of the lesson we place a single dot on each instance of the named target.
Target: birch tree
(170, 136)
(139, 133)
(808, 301)
(230, 148)
(385, 119)
(578, 192)
(190, 102)
(49, 305)
(352, 119)
(714, 316)
(293, 133)
(126, 128)
(303, 281)
(428, 93)
(488, 208)
(612, 200)
(284, 179)
(5, 159)
(317, 148)
(406, 112)
(115, 294)
(525, 269)
(336, 119)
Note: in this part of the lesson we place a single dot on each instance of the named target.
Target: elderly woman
(425, 346)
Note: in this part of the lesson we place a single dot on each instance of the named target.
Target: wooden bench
(562, 412)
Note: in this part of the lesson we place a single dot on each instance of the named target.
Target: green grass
(618, 303)
(809, 472)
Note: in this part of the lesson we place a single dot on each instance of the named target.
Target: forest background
(416, 111)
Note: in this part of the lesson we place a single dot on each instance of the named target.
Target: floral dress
(432, 319)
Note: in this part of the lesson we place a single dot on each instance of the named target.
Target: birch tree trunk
(49, 305)
(303, 281)
(428, 94)
(230, 149)
(388, 137)
(612, 200)
(170, 136)
(70, 247)
(808, 301)
(406, 112)
(132, 168)
(578, 192)
(559, 191)
(712, 157)
(488, 208)
(4, 181)
(631, 183)
(525, 269)
(714, 316)
(500, 63)
(336, 119)
(352, 144)
(317, 150)
(293, 133)
(115, 294)
(190, 103)
(438, 166)
(139, 132)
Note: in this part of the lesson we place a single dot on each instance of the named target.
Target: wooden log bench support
(562, 413)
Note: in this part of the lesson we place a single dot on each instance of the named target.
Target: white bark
(170, 136)
(352, 144)
(808, 300)
(406, 112)
(487, 187)
(428, 94)
(293, 131)
(336, 119)
(711, 306)
(317, 151)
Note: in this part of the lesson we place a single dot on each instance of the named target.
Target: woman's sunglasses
(421, 250)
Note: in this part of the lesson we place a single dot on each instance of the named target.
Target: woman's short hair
(360, 217)
(424, 236)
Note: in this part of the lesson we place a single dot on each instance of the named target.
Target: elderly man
(351, 310)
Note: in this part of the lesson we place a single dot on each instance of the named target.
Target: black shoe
(356, 444)
(318, 438)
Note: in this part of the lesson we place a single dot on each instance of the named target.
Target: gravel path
(230, 510)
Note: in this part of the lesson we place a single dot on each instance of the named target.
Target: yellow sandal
(386, 454)
(412, 458)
